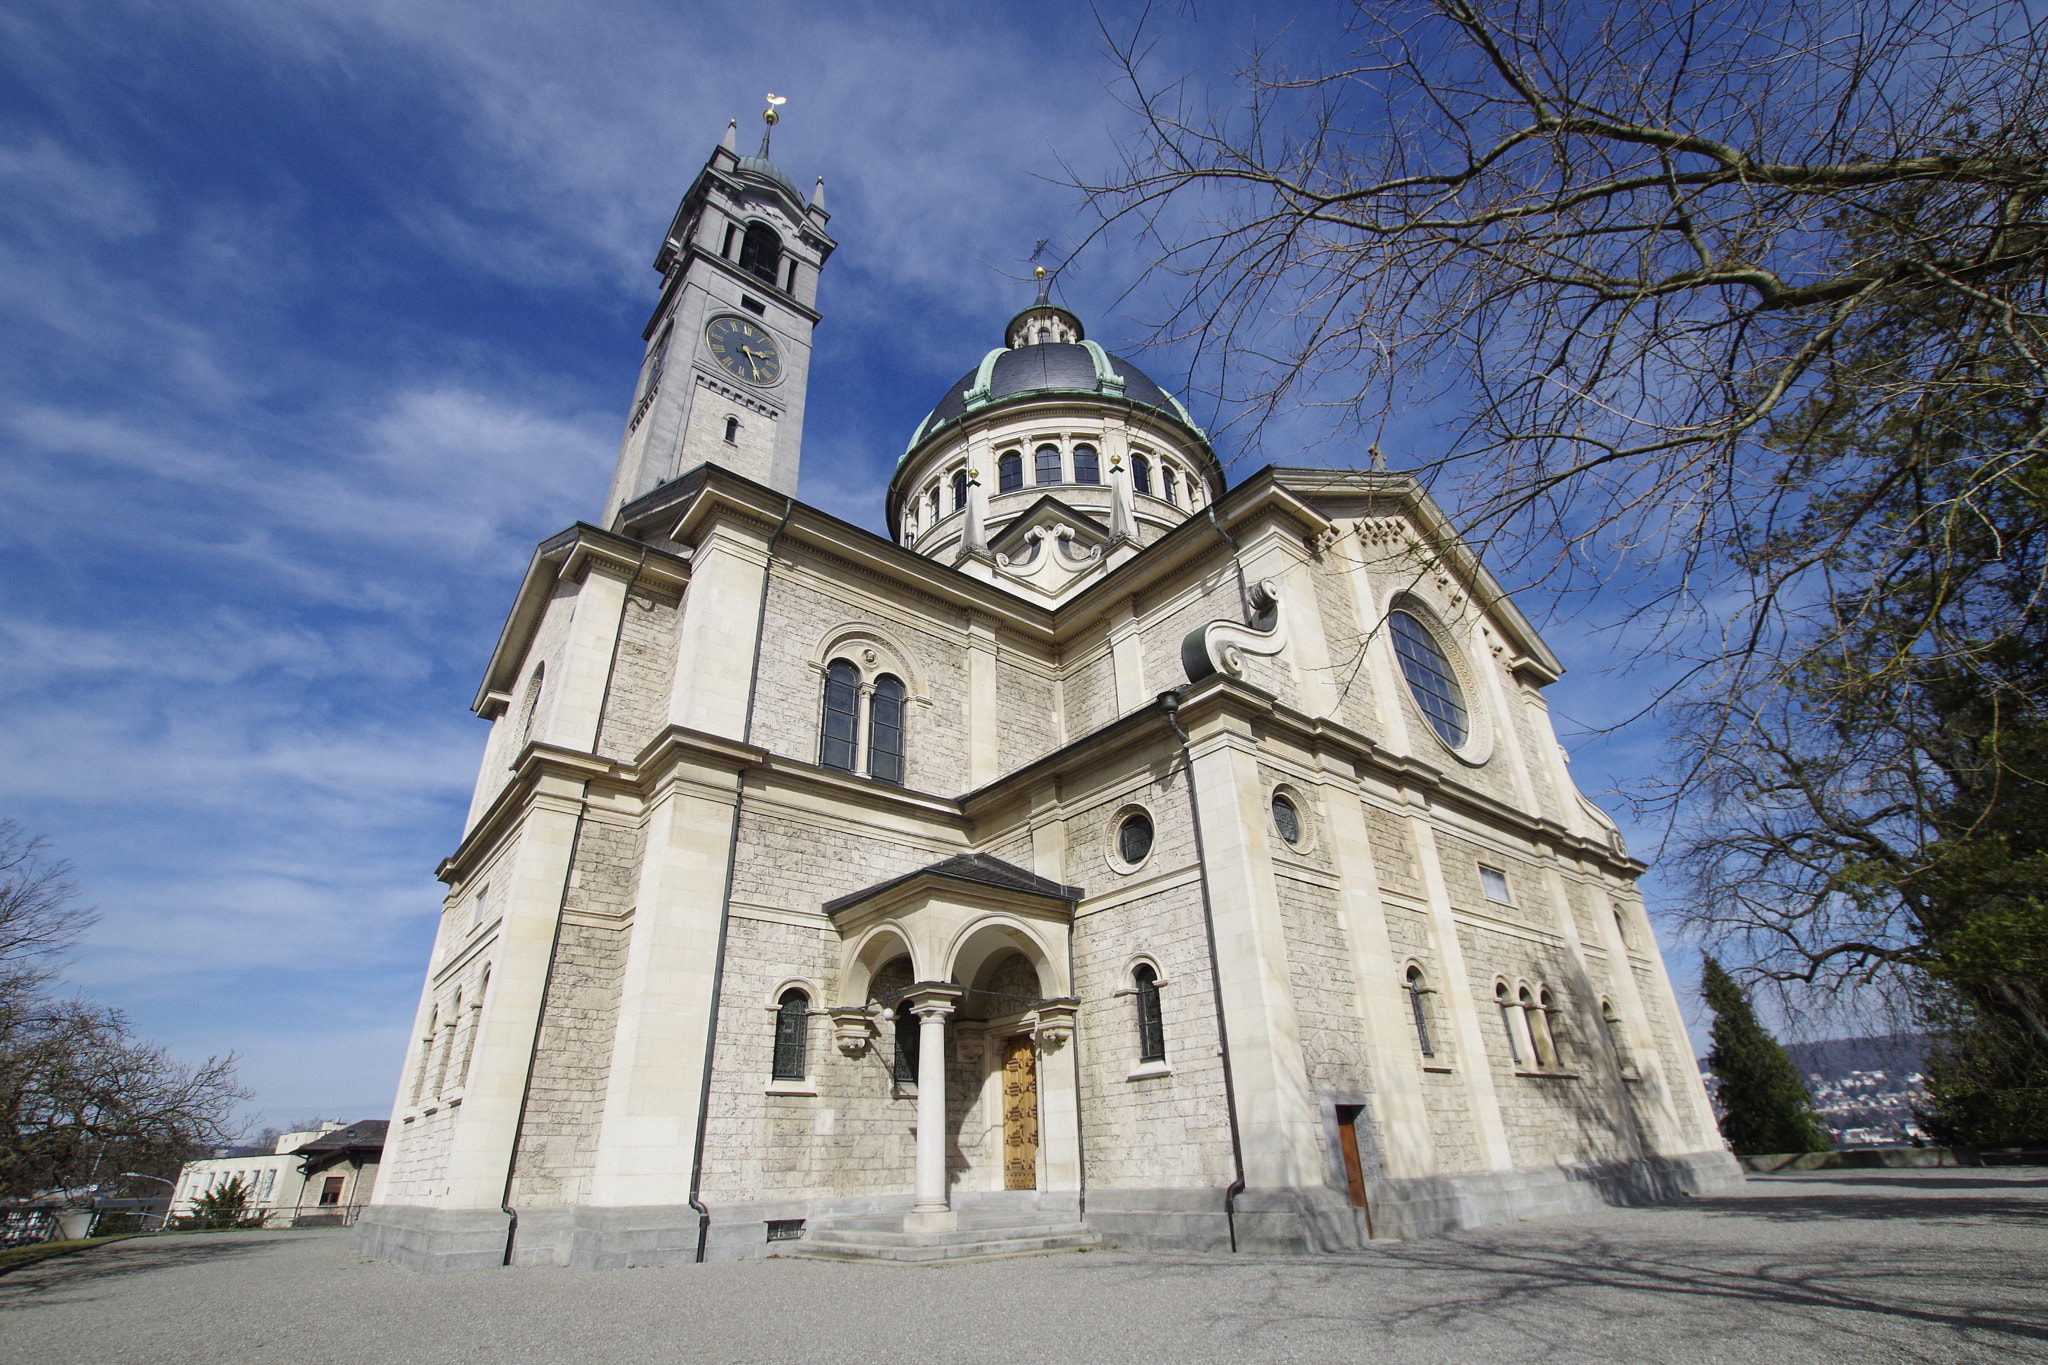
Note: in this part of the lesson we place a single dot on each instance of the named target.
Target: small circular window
(1287, 819)
(1134, 838)
(1431, 679)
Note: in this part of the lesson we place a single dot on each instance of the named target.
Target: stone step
(928, 1249)
(894, 1235)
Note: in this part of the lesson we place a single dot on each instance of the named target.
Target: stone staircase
(982, 1235)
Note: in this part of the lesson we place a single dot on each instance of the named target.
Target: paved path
(1835, 1267)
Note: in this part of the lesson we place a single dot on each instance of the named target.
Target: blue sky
(318, 316)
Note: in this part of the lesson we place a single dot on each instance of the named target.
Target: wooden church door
(1020, 1114)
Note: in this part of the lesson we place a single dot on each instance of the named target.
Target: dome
(1050, 367)
(762, 167)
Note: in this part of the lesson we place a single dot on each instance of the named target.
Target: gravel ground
(1834, 1267)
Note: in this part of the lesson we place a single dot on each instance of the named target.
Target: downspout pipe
(1074, 1047)
(561, 909)
(1169, 702)
(732, 855)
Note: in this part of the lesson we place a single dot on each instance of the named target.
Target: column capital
(933, 998)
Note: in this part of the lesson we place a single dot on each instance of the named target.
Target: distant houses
(317, 1177)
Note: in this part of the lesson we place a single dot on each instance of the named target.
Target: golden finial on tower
(770, 118)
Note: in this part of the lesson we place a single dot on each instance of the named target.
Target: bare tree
(81, 1099)
(1628, 244)
(40, 915)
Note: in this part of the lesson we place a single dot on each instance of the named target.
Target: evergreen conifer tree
(1765, 1105)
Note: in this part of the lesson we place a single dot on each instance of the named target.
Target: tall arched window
(1616, 1034)
(1167, 486)
(1541, 1037)
(531, 706)
(732, 431)
(1141, 474)
(885, 731)
(1416, 990)
(1507, 1022)
(792, 1035)
(1087, 467)
(959, 489)
(1010, 472)
(1151, 1022)
(932, 500)
(761, 252)
(1047, 459)
(907, 1039)
(842, 716)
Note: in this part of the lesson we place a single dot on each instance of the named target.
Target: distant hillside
(1832, 1059)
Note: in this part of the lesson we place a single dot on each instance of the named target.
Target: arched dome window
(1047, 459)
(1087, 467)
(1141, 474)
(885, 731)
(842, 716)
(1010, 472)
(1166, 486)
(761, 252)
(959, 489)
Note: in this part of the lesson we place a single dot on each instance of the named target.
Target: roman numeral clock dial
(745, 351)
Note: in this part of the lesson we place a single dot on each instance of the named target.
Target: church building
(1110, 855)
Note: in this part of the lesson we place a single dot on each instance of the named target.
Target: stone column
(932, 1212)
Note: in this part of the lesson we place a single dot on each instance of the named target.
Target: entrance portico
(984, 947)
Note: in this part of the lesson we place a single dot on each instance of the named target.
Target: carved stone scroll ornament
(1220, 646)
(1055, 1022)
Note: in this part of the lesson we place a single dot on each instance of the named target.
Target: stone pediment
(1049, 546)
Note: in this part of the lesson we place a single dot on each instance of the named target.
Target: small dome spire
(818, 194)
(731, 140)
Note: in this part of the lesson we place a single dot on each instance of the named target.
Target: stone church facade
(1109, 855)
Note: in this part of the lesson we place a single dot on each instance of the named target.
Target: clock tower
(729, 343)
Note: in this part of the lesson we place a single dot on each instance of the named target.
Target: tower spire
(769, 119)
(732, 136)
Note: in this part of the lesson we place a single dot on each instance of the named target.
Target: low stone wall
(1865, 1158)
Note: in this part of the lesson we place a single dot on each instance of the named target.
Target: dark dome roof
(1051, 367)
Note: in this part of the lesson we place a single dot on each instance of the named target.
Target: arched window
(1507, 1022)
(907, 1040)
(792, 1035)
(1430, 678)
(1167, 486)
(1544, 1024)
(732, 431)
(531, 706)
(1416, 990)
(1010, 472)
(1151, 1023)
(1087, 467)
(959, 489)
(731, 231)
(1617, 1034)
(1047, 458)
(1141, 474)
(932, 501)
(761, 252)
(885, 731)
(1620, 923)
(1537, 1021)
(842, 716)
(476, 1019)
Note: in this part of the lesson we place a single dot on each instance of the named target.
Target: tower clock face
(746, 351)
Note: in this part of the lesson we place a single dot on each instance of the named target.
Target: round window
(1287, 819)
(1431, 678)
(1134, 838)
